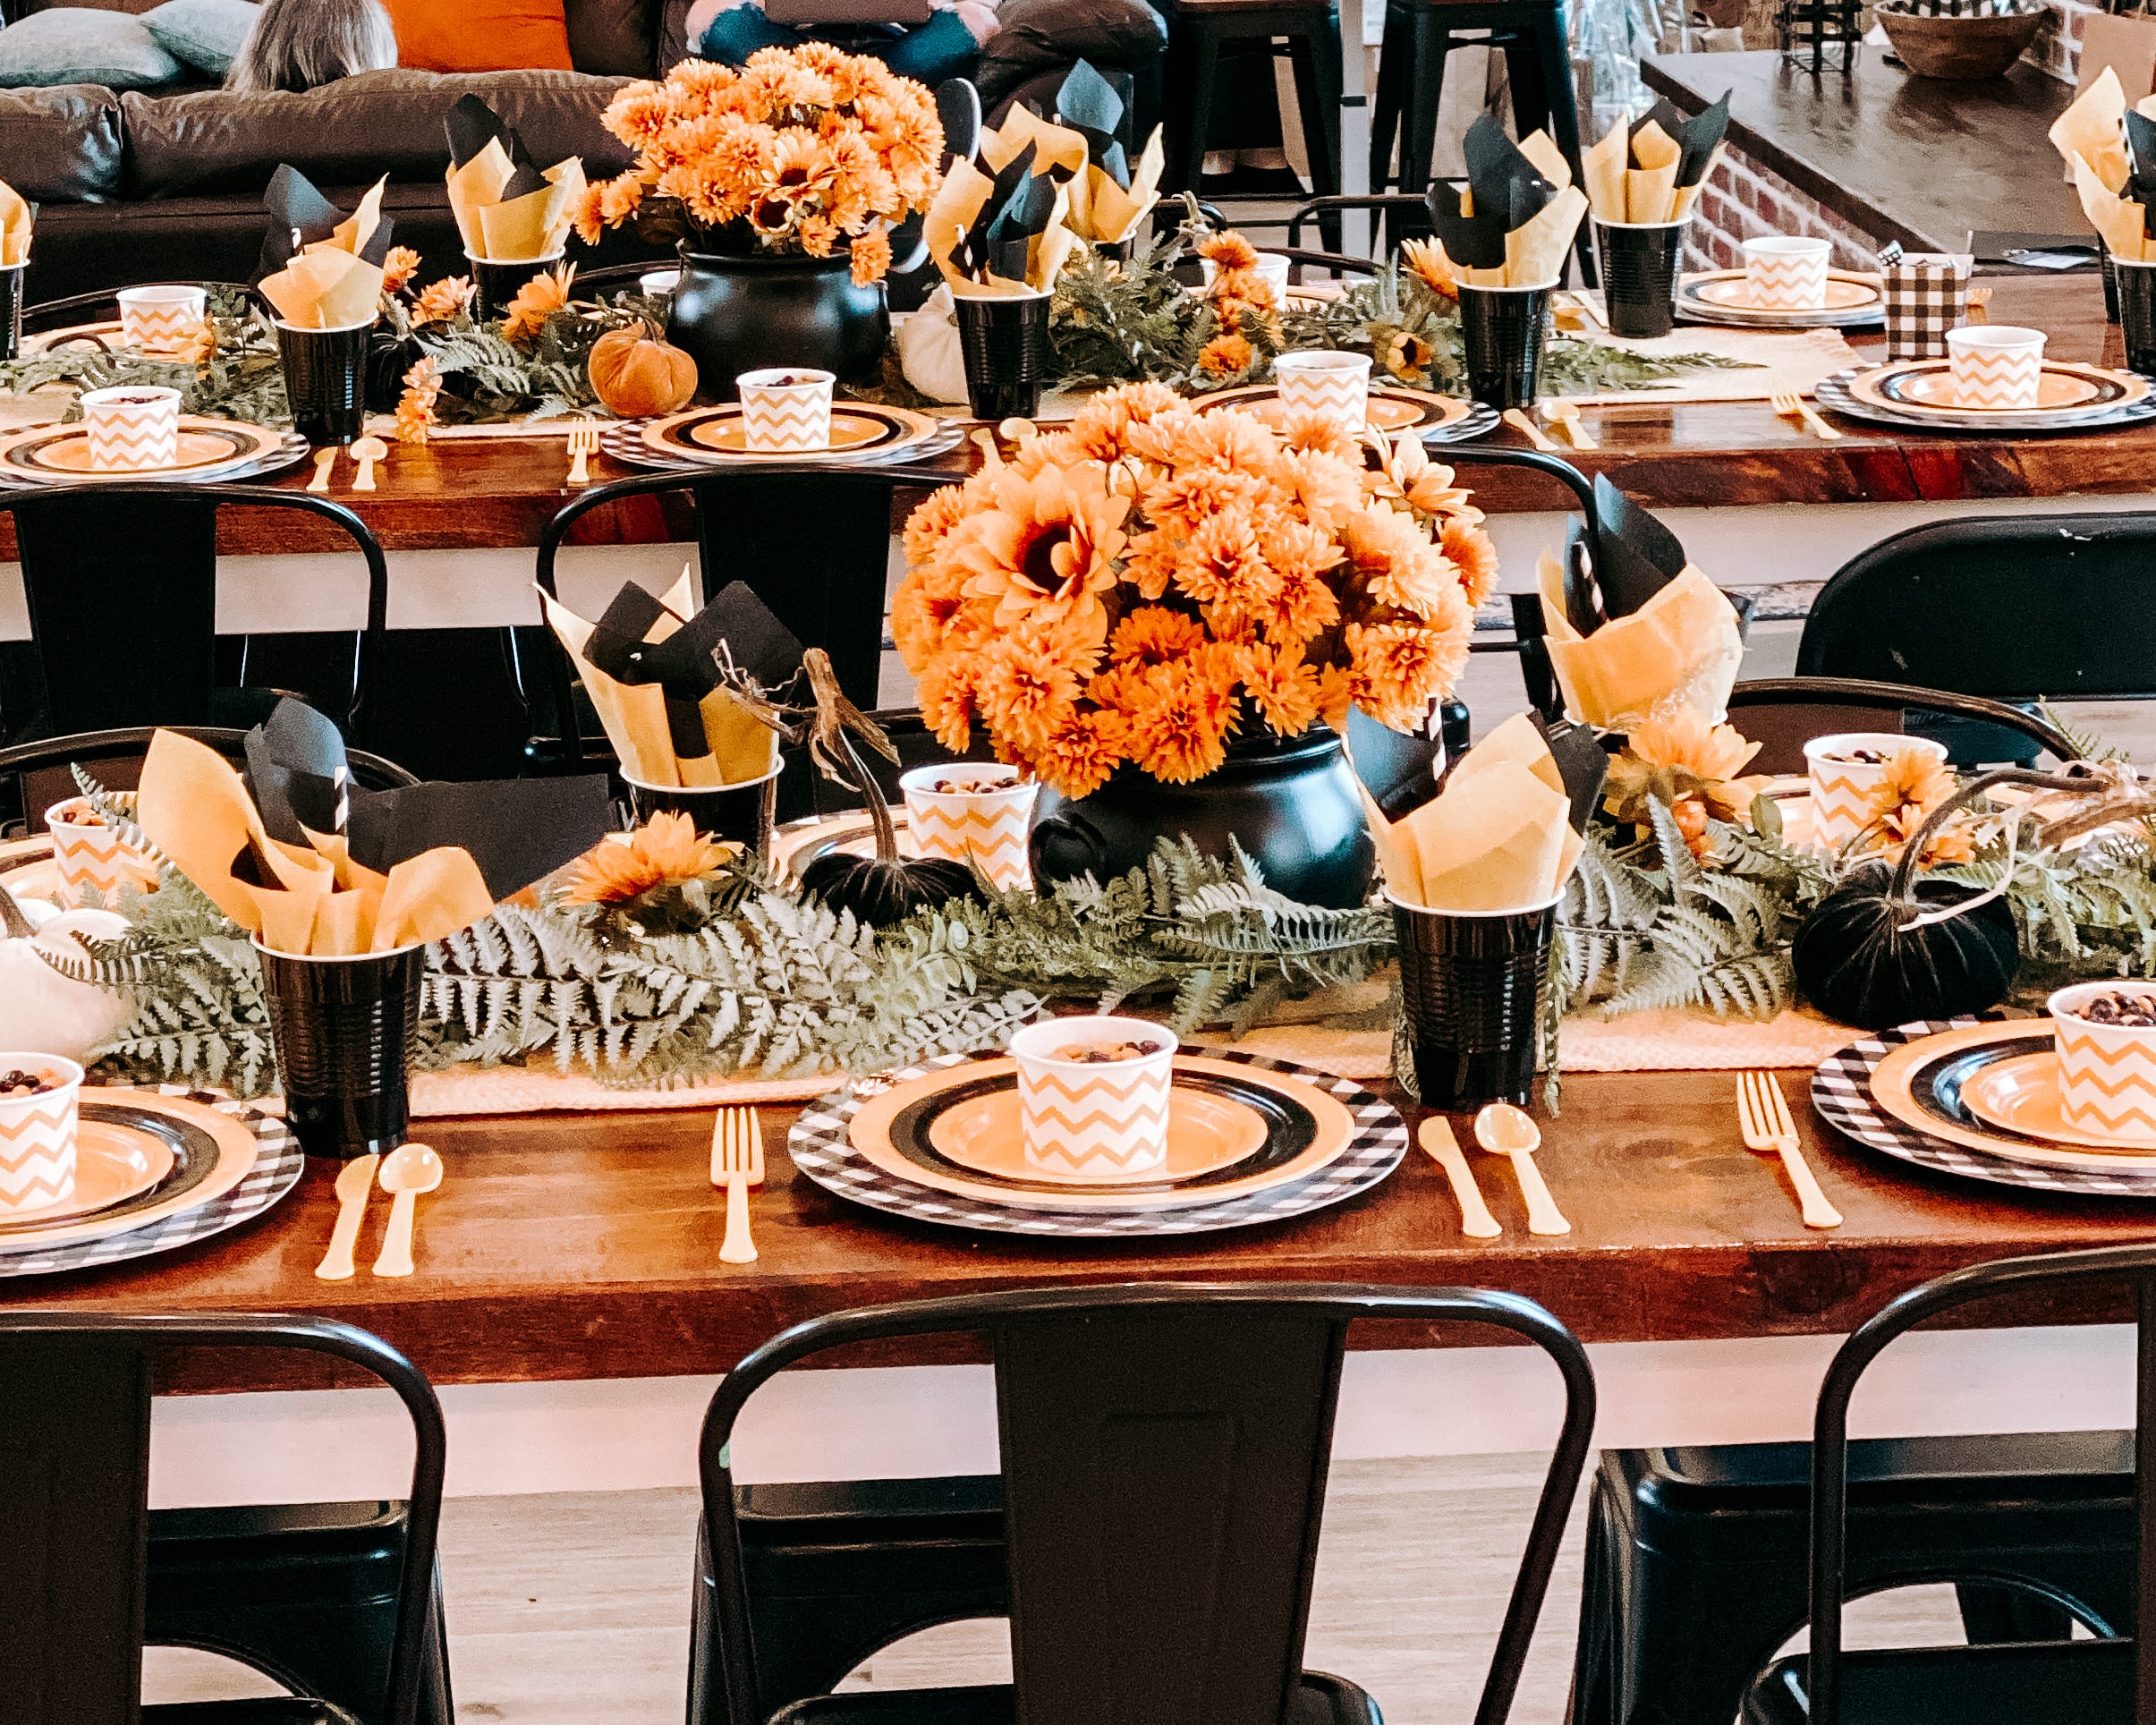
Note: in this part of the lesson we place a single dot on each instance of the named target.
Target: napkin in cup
(996, 227)
(1652, 169)
(507, 209)
(15, 218)
(1644, 632)
(388, 869)
(2094, 128)
(1501, 832)
(322, 268)
(1108, 198)
(658, 675)
(1515, 221)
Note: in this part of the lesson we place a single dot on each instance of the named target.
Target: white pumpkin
(43, 1012)
(929, 353)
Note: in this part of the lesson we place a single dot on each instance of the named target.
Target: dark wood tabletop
(586, 1246)
(469, 493)
(1914, 160)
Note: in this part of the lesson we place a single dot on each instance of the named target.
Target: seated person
(945, 48)
(296, 45)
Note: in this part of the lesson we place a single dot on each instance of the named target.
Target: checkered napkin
(1926, 293)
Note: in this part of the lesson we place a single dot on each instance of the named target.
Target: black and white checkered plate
(624, 440)
(822, 1149)
(1834, 392)
(278, 1164)
(1841, 1090)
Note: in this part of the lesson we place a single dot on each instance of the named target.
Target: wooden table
(587, 1247)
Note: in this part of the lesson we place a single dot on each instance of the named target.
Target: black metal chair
(100, 305)
(38, 776)
(2012, 607)
(1782, 714)
(89, 1574)
(121, 585)
(1164, 1449)
(2026, 1682)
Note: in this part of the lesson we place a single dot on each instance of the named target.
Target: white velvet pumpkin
(43, 1012)
(927, 349)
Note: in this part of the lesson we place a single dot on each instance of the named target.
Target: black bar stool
(1197, 31)
(1532, 34)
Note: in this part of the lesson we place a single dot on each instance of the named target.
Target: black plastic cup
(1472, 986)
(1006, 344)
(1503, 329)
(326, 379)
(10, 309)
(342, 1029)
(2110, 282)
(498, 283)
(2137, 314)
(1641, 261)
(730, 811)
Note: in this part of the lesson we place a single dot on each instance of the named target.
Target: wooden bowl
(1965, 46)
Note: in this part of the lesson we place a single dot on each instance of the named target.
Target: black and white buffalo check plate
(278, 1164)
(1841, 1090)
(822, 1149)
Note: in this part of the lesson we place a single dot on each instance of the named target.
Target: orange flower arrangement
(1148, 583)
(799, 150)
(537, 301)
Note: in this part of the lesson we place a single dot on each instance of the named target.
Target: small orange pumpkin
(636, 372)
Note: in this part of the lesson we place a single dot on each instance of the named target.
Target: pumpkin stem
(12, 920)
(2081, 782)
(832, 748)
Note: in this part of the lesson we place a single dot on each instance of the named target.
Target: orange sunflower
(666, 850)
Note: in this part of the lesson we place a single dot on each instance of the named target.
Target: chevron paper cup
(1842, 786)
(1996, 365)
(1099, 1121)
(785, 410)
(1333, 385)
(163, 320)
(91, 856)
(38, 1135)
(1788, 274)
(132, 428)
(987, 821)
(2107, 1072)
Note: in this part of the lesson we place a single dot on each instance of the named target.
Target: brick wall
(1744, 201)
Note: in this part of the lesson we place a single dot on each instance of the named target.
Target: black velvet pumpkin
(883, 891)
(1859, 959)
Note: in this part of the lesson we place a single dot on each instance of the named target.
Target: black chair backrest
(2009, 605)
(114, 759)
(1164, 1449)
(2134, 1266)
(958, 106)
(813, 542)
(122, 583)
(1783, 713)
(74, 1491)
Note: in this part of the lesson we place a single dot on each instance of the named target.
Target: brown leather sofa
(147, 186)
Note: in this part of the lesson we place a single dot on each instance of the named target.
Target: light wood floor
(572, 1610)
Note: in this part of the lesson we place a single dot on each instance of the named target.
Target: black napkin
(300, 216)
(1089, 105)
(1401, 772)
(517, 831)
(1507, 190)
(1581, 763)
(2141, 162)
(1701, 134)
(735, 629)
(1640, 556)
(471, 126)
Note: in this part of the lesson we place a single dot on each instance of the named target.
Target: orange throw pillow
(480, 35)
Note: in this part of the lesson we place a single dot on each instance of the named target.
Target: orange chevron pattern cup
(133, 427)
(88, 854)
(1334, 386)
(163, 320)
(785, 410)
(1099, 1121)
(2107, 1073)
(1788, 274)
(985, 823)
(1996, 365)
(1842, 781)
(38, 1135)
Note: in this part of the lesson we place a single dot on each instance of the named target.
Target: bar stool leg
(1204, 66)
(1432, 42)
(1392, 52)
(1315, 56)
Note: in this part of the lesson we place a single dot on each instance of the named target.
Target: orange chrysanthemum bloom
(1228, 251)
(1155, 635)
(537, 301)
(933, 519)
(1029, 686)
(949, 701)
(618, 200)
(1225, 355)
(1427, 260)
(640, 114)
(925, 612)
(1396, 562)
(1178, 732)
(1469, 549)
(1080, 754)
(1401, 667)
(1101, 426)
(415, 415)
(666, 850)
(441, 300)
(1320, 434)
(1326, 489)
(1282, 687)
(1224, 565)
(400, 264)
